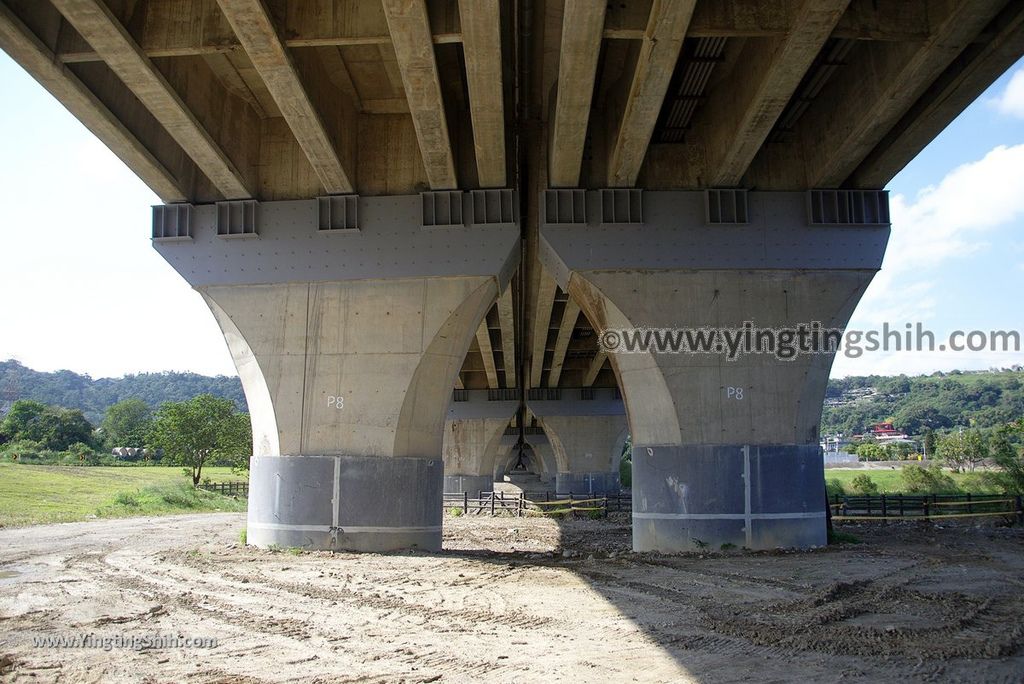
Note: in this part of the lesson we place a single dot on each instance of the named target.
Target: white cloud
(943, 223)
(1011, 101)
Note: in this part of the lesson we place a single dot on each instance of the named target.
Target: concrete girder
(481, 34)
(662, 41)
(18, 41)
(582, 24)
(96, 23)
(506, 320)
(255, 29)
(409, 25)
(742, 110)
(852, 115)
(963, 82)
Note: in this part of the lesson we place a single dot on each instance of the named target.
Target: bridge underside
(412, 218)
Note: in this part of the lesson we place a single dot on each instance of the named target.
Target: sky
(84, 290)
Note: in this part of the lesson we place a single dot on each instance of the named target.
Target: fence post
(493, 497)
(1020, 510)
(465, 502)
(927, 508)
(885, 510)
(605, 506)
(901, 505)
(970, 508)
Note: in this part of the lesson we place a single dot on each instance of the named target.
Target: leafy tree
(963, 450)
(929, 442)
(870, 451)
(127, 423)
(1009, 476)
(65, 427)
(931, 480)
(863, 484)
(53, 427)
(24, 421)
(195, 432)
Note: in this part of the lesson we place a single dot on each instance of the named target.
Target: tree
(962, 450)
(24, 421)
(870, 451)
(863, 484)
(65, 427)
(127, 423)
(193, 433)
(929, 442)
(1009, 476)
(931, 480)
(53, 427)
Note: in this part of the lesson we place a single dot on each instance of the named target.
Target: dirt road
(909, 604)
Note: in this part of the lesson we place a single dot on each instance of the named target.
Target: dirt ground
(511, 600)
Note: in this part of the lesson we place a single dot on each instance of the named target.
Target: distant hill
(93, 396)
(914, 404)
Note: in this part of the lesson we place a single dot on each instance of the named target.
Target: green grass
(891, 481)
(34, 494)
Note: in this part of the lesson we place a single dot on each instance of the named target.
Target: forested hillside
(915, 404)
(93, 396)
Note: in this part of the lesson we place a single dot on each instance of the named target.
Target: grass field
(891, 482)
(35, 494)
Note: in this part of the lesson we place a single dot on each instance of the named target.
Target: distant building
(885, 433)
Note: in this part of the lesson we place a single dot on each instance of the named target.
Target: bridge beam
(662, 41)
(582, 23)
(409, 25)
(741, 111)
(259, 37)
(481, 40)
(852, 115)
(28, 51)
(963, 82)
(95, 22)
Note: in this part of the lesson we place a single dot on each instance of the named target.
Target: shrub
(930, 480)
(127, 499)
(863, 484)
(455, 512)
(243, 536)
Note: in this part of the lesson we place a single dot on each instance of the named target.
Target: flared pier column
(587, 450)
(348, 344)
(471, 446)
(725, 451)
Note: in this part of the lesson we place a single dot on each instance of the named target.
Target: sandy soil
(512, 600)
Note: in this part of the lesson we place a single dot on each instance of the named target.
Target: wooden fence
(501, 503)
(926, 507)
(227, 488)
